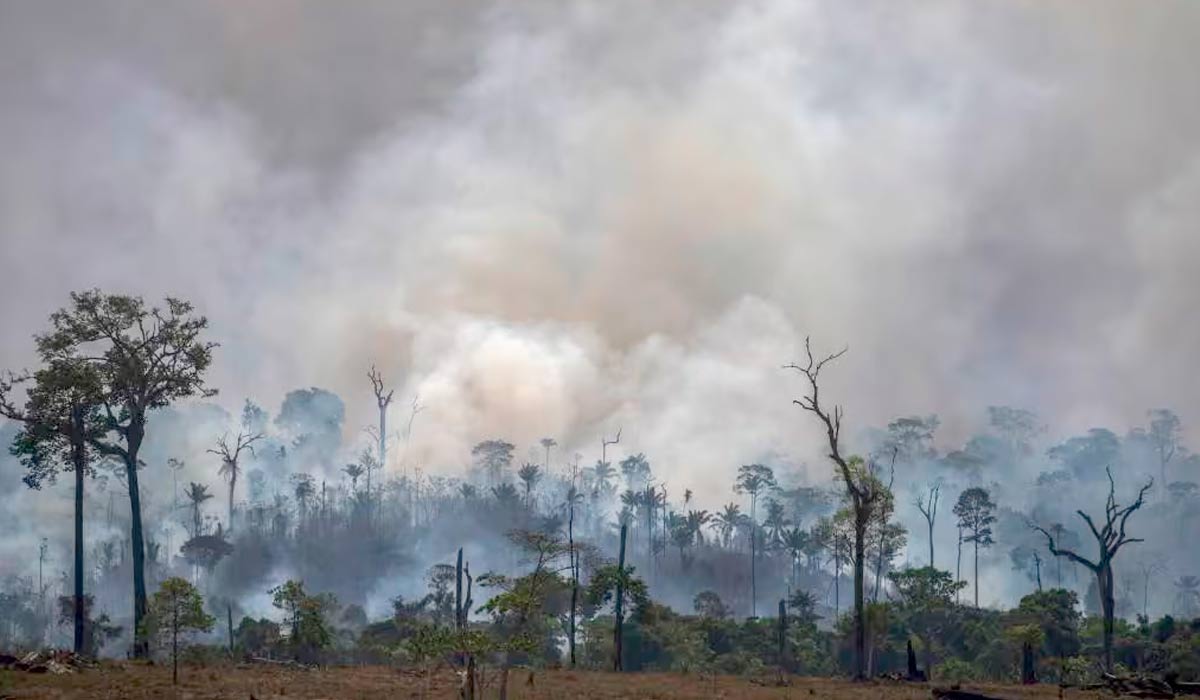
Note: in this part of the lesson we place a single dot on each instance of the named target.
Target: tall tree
(636, 470)
(911, 437)
(1017, 427)
(145, 358)
(1164, 436)
(60, 417)
(383, 399)
(752, 480)
(976, 513)
(1110, 537)
(547, 443)
(529, 474)
(727, 521)
(863, 487)
(197, 494)
(230, 454)
(927, 504)
(494, 458)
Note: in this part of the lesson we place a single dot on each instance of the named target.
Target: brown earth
(139, 681)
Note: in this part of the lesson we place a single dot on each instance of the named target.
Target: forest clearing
(140, 681)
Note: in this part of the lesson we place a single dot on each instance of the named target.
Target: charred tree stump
(1028, 665)
(914, 673)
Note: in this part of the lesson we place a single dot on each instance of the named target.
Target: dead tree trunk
(782, 632)
(862, 488)
(1110, 537)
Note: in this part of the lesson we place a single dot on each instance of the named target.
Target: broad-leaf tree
(145, 358)
(59, 419)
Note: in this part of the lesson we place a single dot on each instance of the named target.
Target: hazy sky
(557, 218)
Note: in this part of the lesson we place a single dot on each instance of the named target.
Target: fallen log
(276, 662)
(956, 694)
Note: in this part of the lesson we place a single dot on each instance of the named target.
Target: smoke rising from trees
(565, 219)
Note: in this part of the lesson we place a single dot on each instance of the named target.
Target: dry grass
(137, 681)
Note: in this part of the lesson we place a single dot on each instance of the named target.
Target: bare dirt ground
(139, 681)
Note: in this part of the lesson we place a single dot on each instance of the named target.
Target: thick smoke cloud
(564, 218)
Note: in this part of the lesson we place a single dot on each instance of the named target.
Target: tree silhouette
(754, 479)
(927, 504)
(975, 516)
(1110, 537)
(230, 454)
(197, 494)
(145, 358)
(727, 522)
(863, 488)
(354, 471)
(59, 420)
(530, 475)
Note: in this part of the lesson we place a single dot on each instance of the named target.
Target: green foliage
(176, 610)
(305, 618)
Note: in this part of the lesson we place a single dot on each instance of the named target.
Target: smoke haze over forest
(567, 218)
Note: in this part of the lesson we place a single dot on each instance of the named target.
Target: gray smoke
(564, 218)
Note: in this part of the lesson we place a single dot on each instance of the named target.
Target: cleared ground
(135, 681)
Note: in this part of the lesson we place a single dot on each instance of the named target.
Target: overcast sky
(560, 218)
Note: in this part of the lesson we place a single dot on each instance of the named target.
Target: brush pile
(57, 661)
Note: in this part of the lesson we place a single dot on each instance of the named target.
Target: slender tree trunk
(977, 573)
(383, 436)
(782, 635)
(1104, 580)
(574, 563)
(931, 544)
(232, 486)
(620, 605)
(958, 563)
(229, 624)
(133, 437)
(837, 579)
(860, 632)
(79, 456)
(879, 565)
(753, 571)
(175, 642)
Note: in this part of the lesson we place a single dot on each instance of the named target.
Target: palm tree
(530, 475)
(468, 492)
(602, 475)
(353, 471)
(636, 469)
(652, 500)
(795, 540)
(197, 494)
(506, 496)
(754, 479)
(727, 521)
(548, 443)
(696, 520)
(304, 490)
(681, 535)
(776, 521)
